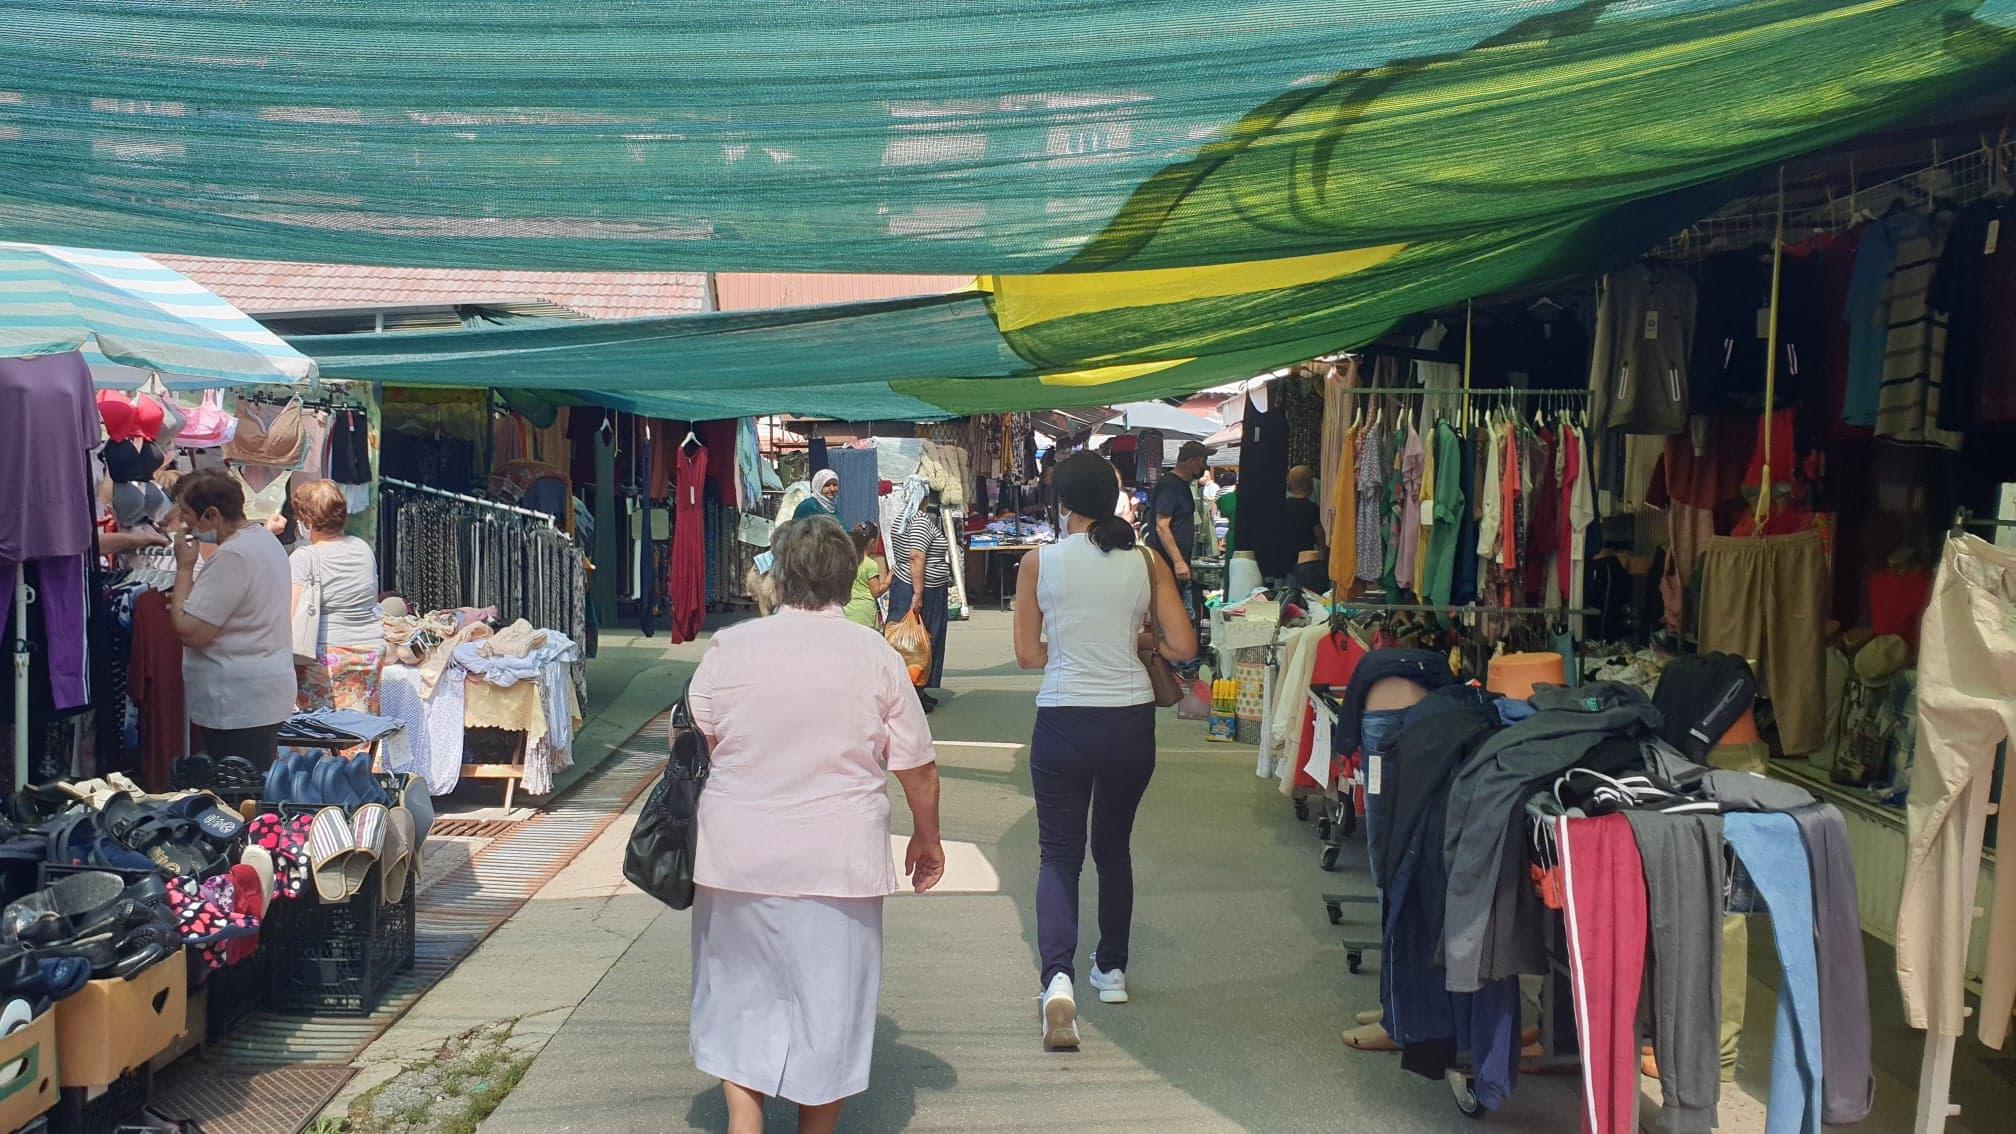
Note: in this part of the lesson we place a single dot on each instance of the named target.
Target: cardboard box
(28, 1072)
(116, 1026)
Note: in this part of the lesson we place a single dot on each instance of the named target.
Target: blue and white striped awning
(125, 310)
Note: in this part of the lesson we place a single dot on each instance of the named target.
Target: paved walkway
(1240, 985)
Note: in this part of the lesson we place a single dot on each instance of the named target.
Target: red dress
(686, 584)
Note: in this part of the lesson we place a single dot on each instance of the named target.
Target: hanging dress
(686, 584)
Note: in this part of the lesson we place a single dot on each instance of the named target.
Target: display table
(437, 724)
(994, 569)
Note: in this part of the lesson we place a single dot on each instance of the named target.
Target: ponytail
(1111, 533)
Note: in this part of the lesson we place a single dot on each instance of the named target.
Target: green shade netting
(1254, 179)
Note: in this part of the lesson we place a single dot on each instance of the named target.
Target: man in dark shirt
(1171, 523)
(1305, 530)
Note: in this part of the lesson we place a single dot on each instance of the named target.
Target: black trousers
(259, 745)
(1087, 763)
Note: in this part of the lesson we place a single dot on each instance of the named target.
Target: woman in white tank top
(1084, 609)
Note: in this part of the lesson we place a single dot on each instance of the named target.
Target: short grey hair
(813, 565)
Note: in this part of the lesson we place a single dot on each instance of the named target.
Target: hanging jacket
(1425, 667)
(1486, 934)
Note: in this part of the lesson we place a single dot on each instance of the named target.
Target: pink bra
(207, 425)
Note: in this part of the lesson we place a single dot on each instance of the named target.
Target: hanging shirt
(1371, 491)
(1490, 500)
(1343, 510)
(1914, 350)
(1449, 510)
(1868, 328)
(1644, 331)
(1412, 458)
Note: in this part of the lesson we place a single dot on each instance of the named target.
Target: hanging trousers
(1966, 704)
(59, 586)
(1087, 762)
(1846, 1080)
(686, 583)
(1682, 856)
(1763, 599)
(1774, 859)
(1603, 889)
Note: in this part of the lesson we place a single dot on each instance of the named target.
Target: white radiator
(1876, 842)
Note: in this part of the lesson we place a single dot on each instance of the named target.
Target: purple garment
(48, 427)
(59, 594)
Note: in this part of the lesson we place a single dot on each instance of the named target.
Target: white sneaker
(1060, 1014)
(1112, 986)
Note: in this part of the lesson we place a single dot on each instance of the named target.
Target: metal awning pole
(22, 597)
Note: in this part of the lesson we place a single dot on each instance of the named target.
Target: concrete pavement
(1240, 984)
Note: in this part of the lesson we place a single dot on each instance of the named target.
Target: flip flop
(399, 855)
(368, 825)
(331, 842)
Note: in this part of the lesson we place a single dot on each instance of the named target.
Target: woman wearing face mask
(1082, 609)
(825, 498)
(351, 641)
(237, 643)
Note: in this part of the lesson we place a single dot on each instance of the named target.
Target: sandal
(171, 844)
(332, 842)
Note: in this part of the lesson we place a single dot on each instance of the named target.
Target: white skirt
(784, 992)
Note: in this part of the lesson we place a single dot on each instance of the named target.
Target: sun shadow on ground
(900, 1072)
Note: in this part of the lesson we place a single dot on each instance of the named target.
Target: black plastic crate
(233, 993)
(124, 1103)
(336, 959)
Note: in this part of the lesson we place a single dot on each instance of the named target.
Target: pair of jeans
(934, 610)
(1775, 862)
(1377, 730)
(1094, 763)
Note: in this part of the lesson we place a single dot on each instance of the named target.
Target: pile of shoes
(233, 778)
(123, 878)
(92, 925)
(358, 820)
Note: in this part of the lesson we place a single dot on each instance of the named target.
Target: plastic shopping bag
(913, 642)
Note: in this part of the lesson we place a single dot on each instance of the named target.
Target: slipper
(420, 802)
(331, 843)
(65, 976)
(235, 776)
(171, 844)
(120, 781)
(1372, 1016)
(218, 823)
(368, 789)
(250, 902)
(193, 772)
(259, 861)
(327, 783)
(368, 825)
(76, 840)
(279, 778)
(1369, 1037)
(399, 855)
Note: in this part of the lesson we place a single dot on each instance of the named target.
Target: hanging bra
(117, 415)
(207, 425)
(265, 503)
(280, 445)
(129, 462)
(173, 420)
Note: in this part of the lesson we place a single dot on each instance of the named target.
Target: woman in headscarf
(825, 498)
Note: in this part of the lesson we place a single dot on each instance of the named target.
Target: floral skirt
(346, 678)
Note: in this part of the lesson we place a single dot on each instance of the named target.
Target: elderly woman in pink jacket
(803, 711)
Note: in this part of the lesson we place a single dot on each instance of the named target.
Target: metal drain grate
(249, 1100)
(455, 914)
(473, 828)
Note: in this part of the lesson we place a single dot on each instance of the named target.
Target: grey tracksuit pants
(1683, 889)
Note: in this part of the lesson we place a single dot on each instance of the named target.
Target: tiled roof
(267, 286)
(763, 291)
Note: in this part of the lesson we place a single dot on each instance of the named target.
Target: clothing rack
(1468, 608)
(1507, 394)
(1959, 180)
(465, 498)
(327, 405)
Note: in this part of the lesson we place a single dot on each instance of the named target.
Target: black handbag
(659, 858)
